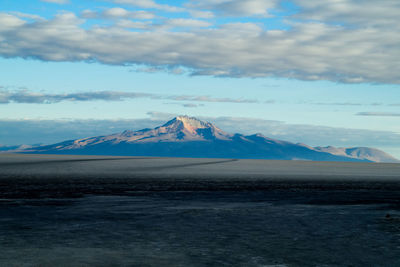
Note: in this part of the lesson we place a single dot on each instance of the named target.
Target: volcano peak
(189, 123)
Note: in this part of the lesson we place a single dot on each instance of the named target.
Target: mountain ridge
(185, 136)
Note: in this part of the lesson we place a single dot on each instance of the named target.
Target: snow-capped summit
(188, 122)
(190, 128)
(185, 136)
(179, 129)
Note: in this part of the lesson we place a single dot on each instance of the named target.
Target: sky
(322, 72)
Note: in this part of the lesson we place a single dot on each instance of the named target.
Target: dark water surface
(93, 211)
(220, 228)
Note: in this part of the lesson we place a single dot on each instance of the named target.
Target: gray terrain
(64, 210)
(79, 166)
(189, 137)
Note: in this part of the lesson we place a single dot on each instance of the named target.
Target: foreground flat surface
(25, 165)
(109, 211)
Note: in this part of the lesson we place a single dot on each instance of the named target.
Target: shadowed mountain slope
(186, 136)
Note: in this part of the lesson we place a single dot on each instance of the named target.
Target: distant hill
(186, 136)
(16, 148)
(367, 153)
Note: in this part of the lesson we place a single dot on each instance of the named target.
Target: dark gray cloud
(26, 96)
(350, 52)
(379, 114)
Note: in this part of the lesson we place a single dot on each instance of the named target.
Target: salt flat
(63, 166)
(55, 175)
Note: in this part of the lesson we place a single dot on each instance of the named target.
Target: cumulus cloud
(154, 69)
(126, 23)
(26, 15)
(118, 13)
(201, 13)
(366, 13)
(357, 50)
(180, 22)
(10, 21)
(26, 96)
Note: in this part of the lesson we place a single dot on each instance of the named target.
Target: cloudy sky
(321, 72)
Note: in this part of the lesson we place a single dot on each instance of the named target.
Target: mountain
(16, 148)
(186, 136)
(367, 153)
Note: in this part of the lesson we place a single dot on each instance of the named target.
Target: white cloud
(30, 97)
(126, 23)
(149, 4)
(308, 50)
(173, 70)
(201, 13)
(25, 15)
(118, 13)
(192, 23)
(8, 21)
(364, 13)
(123, 17)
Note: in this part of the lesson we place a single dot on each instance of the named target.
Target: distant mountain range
(186, 136)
